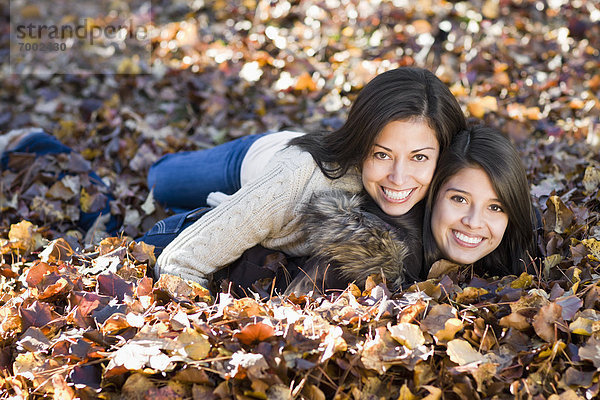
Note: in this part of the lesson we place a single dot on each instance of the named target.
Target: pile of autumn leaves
(84, 325)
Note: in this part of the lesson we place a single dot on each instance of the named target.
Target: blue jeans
(164, 231)
(182, 181)
(41, 143)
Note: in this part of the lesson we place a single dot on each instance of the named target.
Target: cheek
(370, 172)
(437, 222)
(500, 228)
(425, 175)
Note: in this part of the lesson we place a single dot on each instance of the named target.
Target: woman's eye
(458, 199)
(381, 155)
(420, 157)
(496, 208)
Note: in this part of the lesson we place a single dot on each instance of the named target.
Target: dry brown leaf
(470, 295)
(441, 268)
(515, 320)
(558, 217)
(545, 321)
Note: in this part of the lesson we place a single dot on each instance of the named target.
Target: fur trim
(355, 242)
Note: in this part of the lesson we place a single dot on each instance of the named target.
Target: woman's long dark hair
(401, 94)
(490, 150)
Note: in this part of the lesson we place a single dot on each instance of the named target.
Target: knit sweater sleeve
(258, 211)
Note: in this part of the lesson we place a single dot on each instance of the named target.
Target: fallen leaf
(255, 333)
(25, 236)
(442, 267)
(558, 217)
(545, 321)
(591, 351)
(461, 352)
(570, 305)
(470, 295)
(113, 285)
(409, 335)
(195, 345)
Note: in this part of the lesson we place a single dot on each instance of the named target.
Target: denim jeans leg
(37, 142)
(164, 231)
(184, 180)
(41, 143)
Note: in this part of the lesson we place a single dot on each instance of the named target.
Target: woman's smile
(396, 196)
(467, 240)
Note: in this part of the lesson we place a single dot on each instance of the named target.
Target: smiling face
(400, 166)
(468, 220)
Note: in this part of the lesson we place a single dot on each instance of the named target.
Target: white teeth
(394, 195)
(468, 239)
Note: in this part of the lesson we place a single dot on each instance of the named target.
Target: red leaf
(144, 287)
(254, 333)
(37, 314)
(114, 286)
(36, 273)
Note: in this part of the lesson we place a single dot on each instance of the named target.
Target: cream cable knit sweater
(265, 211)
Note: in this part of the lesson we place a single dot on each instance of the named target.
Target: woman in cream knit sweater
(388, 148)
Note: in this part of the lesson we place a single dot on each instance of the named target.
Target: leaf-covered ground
(80, 319)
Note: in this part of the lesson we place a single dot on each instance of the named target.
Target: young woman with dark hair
(388, 147)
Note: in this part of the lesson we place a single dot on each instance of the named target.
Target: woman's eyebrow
(383, 147)
(424, 148)
(451, 189)
(414, 151)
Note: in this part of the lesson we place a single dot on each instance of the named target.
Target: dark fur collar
(351, 238)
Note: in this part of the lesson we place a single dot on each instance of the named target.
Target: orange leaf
(254, 333)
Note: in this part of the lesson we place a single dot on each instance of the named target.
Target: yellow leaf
(470, 295)
(196, 346)
(406, 394)
(582, 326)
(593, 246)
(461, 352)
(458, 90)
(451, 326)
(576, 280)
(305, 82)
(26, 236)
(552, 351)
(409, 335)
(522, 282)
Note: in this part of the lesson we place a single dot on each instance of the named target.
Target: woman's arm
(258, 211)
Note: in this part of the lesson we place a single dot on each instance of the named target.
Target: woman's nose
(399, 173)
(473, 218)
